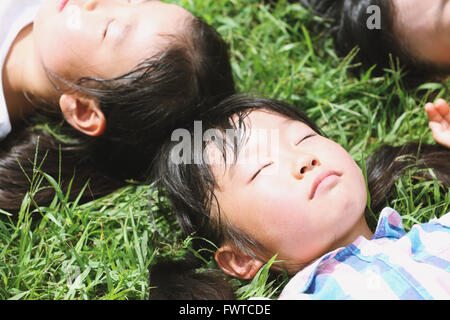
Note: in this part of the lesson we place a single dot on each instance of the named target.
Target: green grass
(103, 249)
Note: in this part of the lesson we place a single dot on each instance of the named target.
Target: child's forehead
(249, 130)
(265, 119)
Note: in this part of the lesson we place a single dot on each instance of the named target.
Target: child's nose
(303, 164)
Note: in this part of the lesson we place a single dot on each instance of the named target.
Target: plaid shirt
(392, 265)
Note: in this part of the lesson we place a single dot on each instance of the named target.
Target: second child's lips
(319, 179)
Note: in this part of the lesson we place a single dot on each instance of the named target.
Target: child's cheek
(280, 219)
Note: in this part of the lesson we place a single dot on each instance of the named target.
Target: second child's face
(103, 38)
(302, 197)
(424, 27)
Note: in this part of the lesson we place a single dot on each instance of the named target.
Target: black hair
(190, 186)
(175, 279)
(388, 164)
(141, 108)
(378, 47)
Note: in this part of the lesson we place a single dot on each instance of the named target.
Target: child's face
(103, 38)
(307, 199)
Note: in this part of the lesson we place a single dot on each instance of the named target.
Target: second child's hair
(377, 47)
(141, 108)
(190, 187)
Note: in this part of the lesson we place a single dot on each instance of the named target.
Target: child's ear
(83, 113)
(236, 263)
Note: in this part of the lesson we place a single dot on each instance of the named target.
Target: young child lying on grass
(304, 199)
(113, 76)
(414, 31)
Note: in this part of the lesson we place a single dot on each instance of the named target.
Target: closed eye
(259, 171)
(105, 32)
(306, 137)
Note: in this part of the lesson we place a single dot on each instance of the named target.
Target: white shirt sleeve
(14, 16)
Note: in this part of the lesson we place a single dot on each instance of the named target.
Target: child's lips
(62, 4)
(322, 181)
